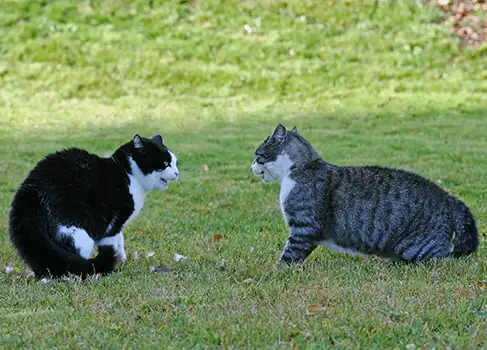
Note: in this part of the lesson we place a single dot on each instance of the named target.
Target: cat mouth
(164, 181)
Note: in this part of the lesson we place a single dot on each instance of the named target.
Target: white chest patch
(287, 186)
(330, 244)
(138, 195)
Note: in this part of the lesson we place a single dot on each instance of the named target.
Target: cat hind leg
(117, 242)
(82, 241)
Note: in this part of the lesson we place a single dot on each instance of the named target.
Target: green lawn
(384, 85)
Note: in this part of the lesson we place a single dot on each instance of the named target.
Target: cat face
(271, 159)
(155, 162)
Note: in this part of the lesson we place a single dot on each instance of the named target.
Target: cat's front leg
(298, 247)
(117, 242)
(121, 248)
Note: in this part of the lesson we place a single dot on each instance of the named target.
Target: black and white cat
(366, 210)
(74, 201)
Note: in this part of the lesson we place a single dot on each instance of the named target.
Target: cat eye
(259, 159)
(166, 164)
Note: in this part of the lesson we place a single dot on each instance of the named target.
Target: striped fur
(367, 210)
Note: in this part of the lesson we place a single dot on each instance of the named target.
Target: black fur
(77, 188)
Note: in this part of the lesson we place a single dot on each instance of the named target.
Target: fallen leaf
(9, 269)
(30, 273)
(314, 309)
(465, 31)
(482, 284)
(136, 255)
(252, 249)
(217, 237)
(159, 269)
(150, 254)
(206, 167)
(178, 257)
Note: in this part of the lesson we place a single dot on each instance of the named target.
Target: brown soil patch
(467, 18)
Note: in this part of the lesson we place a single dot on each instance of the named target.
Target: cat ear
(279, 133)
(138, 143)
(157, 139)
(294, 130)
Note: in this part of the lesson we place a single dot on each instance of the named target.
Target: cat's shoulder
(72, 153)
(312, 171)
(71, 157)
(71, 160)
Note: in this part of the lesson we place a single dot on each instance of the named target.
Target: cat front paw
(121, 256)
(287, 262)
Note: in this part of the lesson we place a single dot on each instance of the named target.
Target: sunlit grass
(389, 86)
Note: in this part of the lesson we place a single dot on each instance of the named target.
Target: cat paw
(121, 257)
(286, 262)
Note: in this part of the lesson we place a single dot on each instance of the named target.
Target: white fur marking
(137, 188)
(287, 186)
(81, 240)
(277, 169)
(333, 246)
(117, 242)
(171, 172)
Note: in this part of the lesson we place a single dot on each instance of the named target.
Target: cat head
(274, 156)
(153, 164)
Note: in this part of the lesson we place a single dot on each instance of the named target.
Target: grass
(366, 84)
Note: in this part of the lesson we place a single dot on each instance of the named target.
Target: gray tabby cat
(361, 210)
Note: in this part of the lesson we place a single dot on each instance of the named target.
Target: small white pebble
(252, 249)
(178, 257)
(150, 254)
(9, 269)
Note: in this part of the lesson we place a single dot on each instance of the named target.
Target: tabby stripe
(438, 252)
(296, 223)
(430, 244)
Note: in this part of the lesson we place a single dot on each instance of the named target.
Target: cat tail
(32, 235)
(466, 239)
